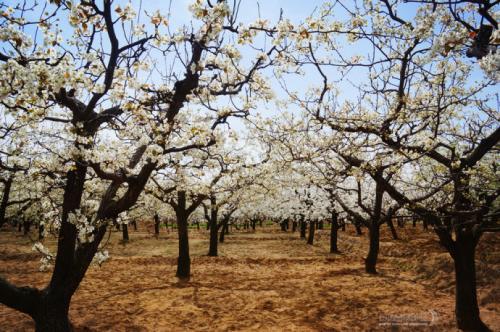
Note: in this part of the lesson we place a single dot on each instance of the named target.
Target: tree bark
(223, 232)
(214, 228)
(371, 259)
(52, 315)
(303, 227)
(334, 233)
(26, 226)
(312, 227)
(157, 225)
(41, 230)
(392, 228)
(466, 306)
(125, 232)
(358, 229)
(183, 261)
(5, 199)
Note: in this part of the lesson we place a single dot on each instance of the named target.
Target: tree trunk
(334, 233)
(41, 230)
(312, 227)
(52, 315)
(320, 224)
(214, 228)
(358, 229)
(424, 224)
(223, 232)
(294, 226)
(392, 228)
(184, 261)
(26, 226)
(343, 225)
(157, 225)
(371, 259)
(303, 228)
(466, 306)
(283, 225)
(401, 222)
(5, 199)
(125, 232)
(134, 224)
(212, 250)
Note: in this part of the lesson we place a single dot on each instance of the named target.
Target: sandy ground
(263, 281)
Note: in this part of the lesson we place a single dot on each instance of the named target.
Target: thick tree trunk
(125, 232)
(213, 249)
(371, 259)
(466, 306)
(184, 261)
(303, 227)
(52, 315)
(5, 199)
(392, 228)
(321, 224)
(312, 227)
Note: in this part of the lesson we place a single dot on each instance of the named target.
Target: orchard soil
(265, 280)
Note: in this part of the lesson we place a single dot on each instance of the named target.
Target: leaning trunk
(223, 232)
(392, 228)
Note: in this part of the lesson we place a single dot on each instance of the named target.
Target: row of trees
(107, 107)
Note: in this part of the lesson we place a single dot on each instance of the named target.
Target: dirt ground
(265, 281)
